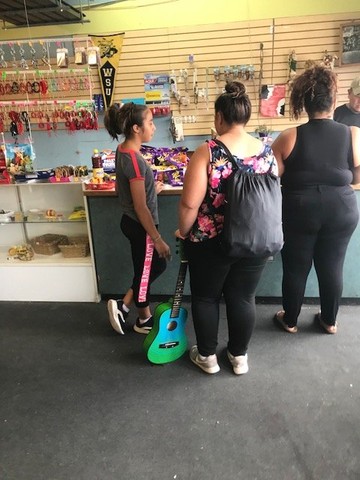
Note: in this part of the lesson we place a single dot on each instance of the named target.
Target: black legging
(136, 234)
(318, 223)
(212, 274)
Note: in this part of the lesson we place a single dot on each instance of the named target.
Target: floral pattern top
(209, 222)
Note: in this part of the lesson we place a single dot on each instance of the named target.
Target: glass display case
(45, 246)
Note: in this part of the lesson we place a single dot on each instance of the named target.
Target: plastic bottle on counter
(97, 164)
(2, 157)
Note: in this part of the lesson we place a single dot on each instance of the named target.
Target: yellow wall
(143, 14)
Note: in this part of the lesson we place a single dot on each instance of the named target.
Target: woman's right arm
(282, 146)
(276, 147)
(194, 189)
(355, 135)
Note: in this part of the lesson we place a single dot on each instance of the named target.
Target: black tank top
(322, 155)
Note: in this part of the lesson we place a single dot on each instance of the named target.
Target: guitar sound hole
(171, 325)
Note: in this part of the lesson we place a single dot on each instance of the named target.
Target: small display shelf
(45, 210)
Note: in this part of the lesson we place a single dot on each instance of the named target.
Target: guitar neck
(179, 290)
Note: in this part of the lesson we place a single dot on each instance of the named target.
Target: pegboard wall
(267, 42)
(256, 52)
(35, 91)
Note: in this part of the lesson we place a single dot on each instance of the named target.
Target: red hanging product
(20, 127)
(43, 87)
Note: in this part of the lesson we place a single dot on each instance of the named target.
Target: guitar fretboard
(179, 290)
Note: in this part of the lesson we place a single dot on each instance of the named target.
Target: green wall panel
(114, 266)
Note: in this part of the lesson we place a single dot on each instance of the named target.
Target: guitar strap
(145, 277)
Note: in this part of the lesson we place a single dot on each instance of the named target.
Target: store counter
(112, 251)
(113, 259)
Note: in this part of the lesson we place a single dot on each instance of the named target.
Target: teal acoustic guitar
(166, 342)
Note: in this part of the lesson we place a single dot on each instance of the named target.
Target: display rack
(45, 277)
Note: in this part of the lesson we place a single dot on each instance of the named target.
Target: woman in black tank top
(317, 161)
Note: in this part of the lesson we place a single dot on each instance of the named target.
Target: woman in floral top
(210, 217)
(201, 213)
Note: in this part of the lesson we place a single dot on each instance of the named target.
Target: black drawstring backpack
(253, 213)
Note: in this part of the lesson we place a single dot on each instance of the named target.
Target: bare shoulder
(201, 153)
(203, 147)
(286, 135)
(285, 141)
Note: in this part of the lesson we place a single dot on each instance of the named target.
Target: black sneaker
(144, 327)
(116, 315)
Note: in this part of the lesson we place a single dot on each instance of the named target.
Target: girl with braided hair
(137, 193)
(317, 161)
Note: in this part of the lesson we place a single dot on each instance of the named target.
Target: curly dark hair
(119, 119)
(234, 104)
(313, 91)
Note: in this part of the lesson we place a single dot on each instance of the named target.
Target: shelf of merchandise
(45, 277)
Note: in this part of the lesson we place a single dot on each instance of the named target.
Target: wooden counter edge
(113, 193)
(166, 191)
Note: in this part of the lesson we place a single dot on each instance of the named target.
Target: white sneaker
(116, 315)
(239, 364)
(208, 364)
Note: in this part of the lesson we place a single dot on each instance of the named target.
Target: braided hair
(234, 104)
(119, 120)
(313, 91)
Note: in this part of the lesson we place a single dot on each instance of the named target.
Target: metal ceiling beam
(48, 24)
(51, 12)
(45, 9)
(89, 4)
(53, 7)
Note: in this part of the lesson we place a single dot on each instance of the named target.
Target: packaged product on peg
(93, 56)
(62, 58)
(80, 55)
(2, 157)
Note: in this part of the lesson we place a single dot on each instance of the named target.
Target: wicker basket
(48, 244)
(75, 247)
